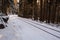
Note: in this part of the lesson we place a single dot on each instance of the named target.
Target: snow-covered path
(19, 29)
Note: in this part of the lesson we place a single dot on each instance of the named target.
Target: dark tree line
(48, 10)
(4, 5)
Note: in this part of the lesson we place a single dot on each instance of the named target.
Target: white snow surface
(20, 29)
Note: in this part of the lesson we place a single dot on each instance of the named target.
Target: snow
(19, 29)
(42, 23)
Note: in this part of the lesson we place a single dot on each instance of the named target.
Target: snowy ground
(25, 29)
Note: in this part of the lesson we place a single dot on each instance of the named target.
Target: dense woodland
(43, 10)
(5, 4)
